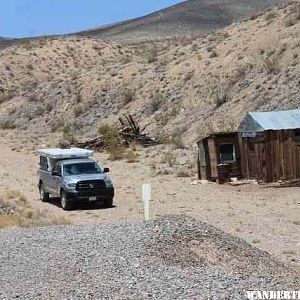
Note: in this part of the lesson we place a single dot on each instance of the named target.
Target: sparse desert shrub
(29, 67)
(169, 158)
(78, 97)
(116, 151)
(19, 213)
(221, 95)
(290, 22)
(270, 16)
(27, 44)
(131, 156)
(33, 98)
(4, 96)
(125, 59)
(272, 64)
(156, 103)
(212, 54)
(152, 54)
(7, 123)
(183, 174)
(289, 252)
(128, 96)
(165, 117)
(57, 124)
(295, 10)
(256, 241)
(78, 110)
(188, 76)
(176, 140)
(69, 134)
(112, 141)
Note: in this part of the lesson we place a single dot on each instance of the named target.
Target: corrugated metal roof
(276, 120)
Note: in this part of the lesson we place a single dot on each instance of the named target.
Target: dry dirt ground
(265, 217)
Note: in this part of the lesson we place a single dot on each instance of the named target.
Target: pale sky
(23, 18)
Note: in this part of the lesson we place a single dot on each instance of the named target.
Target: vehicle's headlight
(108, 183)
(71, 185)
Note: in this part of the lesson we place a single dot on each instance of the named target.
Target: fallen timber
(130, 133)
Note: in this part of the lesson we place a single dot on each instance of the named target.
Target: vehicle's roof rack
(58, 153)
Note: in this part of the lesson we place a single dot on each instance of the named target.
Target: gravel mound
(174, 257)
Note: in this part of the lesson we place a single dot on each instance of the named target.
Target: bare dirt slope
(185, 87)
(186, 18)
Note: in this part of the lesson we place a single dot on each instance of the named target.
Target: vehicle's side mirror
(54, 173)
(106, 170)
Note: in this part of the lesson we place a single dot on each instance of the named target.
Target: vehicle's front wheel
(43, 195)
(65, 202)
(108, 203)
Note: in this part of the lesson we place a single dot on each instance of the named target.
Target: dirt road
(266, 217)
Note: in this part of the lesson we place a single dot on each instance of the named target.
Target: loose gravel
(174, 257)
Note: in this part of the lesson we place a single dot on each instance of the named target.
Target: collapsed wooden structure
(266, 148)
(129, 131)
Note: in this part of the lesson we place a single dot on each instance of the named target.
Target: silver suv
(74, 176)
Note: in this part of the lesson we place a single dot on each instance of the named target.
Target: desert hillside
(186, 18)
(183, 87)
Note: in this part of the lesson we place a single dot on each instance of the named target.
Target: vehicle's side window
(43, 163)
(57, 169)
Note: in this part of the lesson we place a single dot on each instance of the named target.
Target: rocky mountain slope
(180, 86)
(186, 18)
(5, 42)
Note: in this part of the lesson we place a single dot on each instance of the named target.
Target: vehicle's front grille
(90, 185)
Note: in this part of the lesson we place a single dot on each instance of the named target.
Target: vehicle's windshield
(82, 168)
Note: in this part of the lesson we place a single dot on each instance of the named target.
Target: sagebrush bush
(272, 64)
(221, 95)
(169, 158)
(112, 141)
(128, 96)
(131, 156)
(78, 110)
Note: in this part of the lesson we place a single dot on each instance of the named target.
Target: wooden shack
(270, 145)
(266, 148)
(219, 157)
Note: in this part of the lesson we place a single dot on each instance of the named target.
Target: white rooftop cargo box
(65, 153)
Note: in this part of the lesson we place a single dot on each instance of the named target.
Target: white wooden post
(146, 200)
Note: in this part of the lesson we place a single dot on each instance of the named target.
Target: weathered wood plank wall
(271, 156)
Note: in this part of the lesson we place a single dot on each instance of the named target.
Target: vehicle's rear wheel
(108, 202)
(43, 195)
(65, 202)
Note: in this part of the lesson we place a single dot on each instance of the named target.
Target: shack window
(297, 135)
(226, 153)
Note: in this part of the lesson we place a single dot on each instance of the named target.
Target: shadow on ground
(83, 205)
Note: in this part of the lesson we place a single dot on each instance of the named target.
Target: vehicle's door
(55, 178)
(44, 173)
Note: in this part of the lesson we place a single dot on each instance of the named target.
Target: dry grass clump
(15, 211)
(132, 156)
(7, 123)
(272, 64)
(169, 158)
(128, 96)
(183, 174)
(221, 95)
(271, 16)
